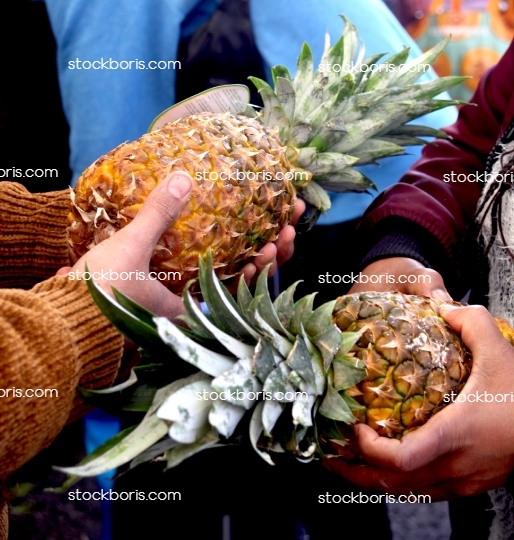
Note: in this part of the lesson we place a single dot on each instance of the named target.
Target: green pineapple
(297, 378)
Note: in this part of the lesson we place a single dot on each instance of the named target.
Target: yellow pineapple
(247, 171)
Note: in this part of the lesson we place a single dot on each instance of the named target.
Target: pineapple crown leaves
(284, 350)
(332, 120)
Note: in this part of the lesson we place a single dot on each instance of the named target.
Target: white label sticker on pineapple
(233, 98)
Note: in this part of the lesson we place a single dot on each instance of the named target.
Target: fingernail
(441, 294)
(179, 185)
(448, 307)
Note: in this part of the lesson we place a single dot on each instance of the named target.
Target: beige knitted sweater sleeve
(51, 333)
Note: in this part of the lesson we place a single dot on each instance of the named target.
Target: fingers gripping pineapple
(249, 169)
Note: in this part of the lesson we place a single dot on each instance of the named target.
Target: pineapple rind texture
(242, 195)
(412, 358)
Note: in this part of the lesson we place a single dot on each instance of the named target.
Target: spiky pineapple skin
(412, 357)
(242, 193)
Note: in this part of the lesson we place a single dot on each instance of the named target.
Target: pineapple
(297, 377)
(247, 170)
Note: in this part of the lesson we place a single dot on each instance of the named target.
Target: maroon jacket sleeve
(425, 216)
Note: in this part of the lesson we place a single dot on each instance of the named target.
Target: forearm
(32, 235)
(54, 337)
(432, 195)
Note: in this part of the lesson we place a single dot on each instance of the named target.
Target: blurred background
(34, 133)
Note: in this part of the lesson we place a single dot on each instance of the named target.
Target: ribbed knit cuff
(98, 344)
(400, 237)
(33, 242)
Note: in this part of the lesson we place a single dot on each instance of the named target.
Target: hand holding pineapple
(130, 249)
(467, 448)
(432, 285)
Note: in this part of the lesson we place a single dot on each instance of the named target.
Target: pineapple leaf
(424, 90)
(373, 149)
(302, 410)
(158, 449)
(204, 359)
(244, 296)
(238, 379)
(263, 362)
(330, 162)
(194, 322)
(321, 319)
(328, 343)
(335, 407)
(359, 104)
(284, 304)
(265, 306)
(299, 359)
(224, 417)
(314, 194)
(317, 364)
(352, 403)
(87, 393)
(350, 40)
(256, 429)
(181, 452)
(407, 74)
(349, 179)
(346, 374)
(306, 156)
(387, 71)
(128, 324)
(362, 74)
(416, 130)
(148, 432)
(302, 312)
(270, 414)
(286, 96)
(299, 134)
(278, 384)
(71, 480)
(348, 341)
(402, 140)
(224, 312)
(233, 345)
(280, 343)
(139, 311)
(304, 70)
(280, 71)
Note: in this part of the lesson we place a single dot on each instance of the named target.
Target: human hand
(465, 449)
(130, 249)
(276, 253)
(404, 275)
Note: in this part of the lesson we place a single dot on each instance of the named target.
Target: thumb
(476, 326)
(161, 209)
